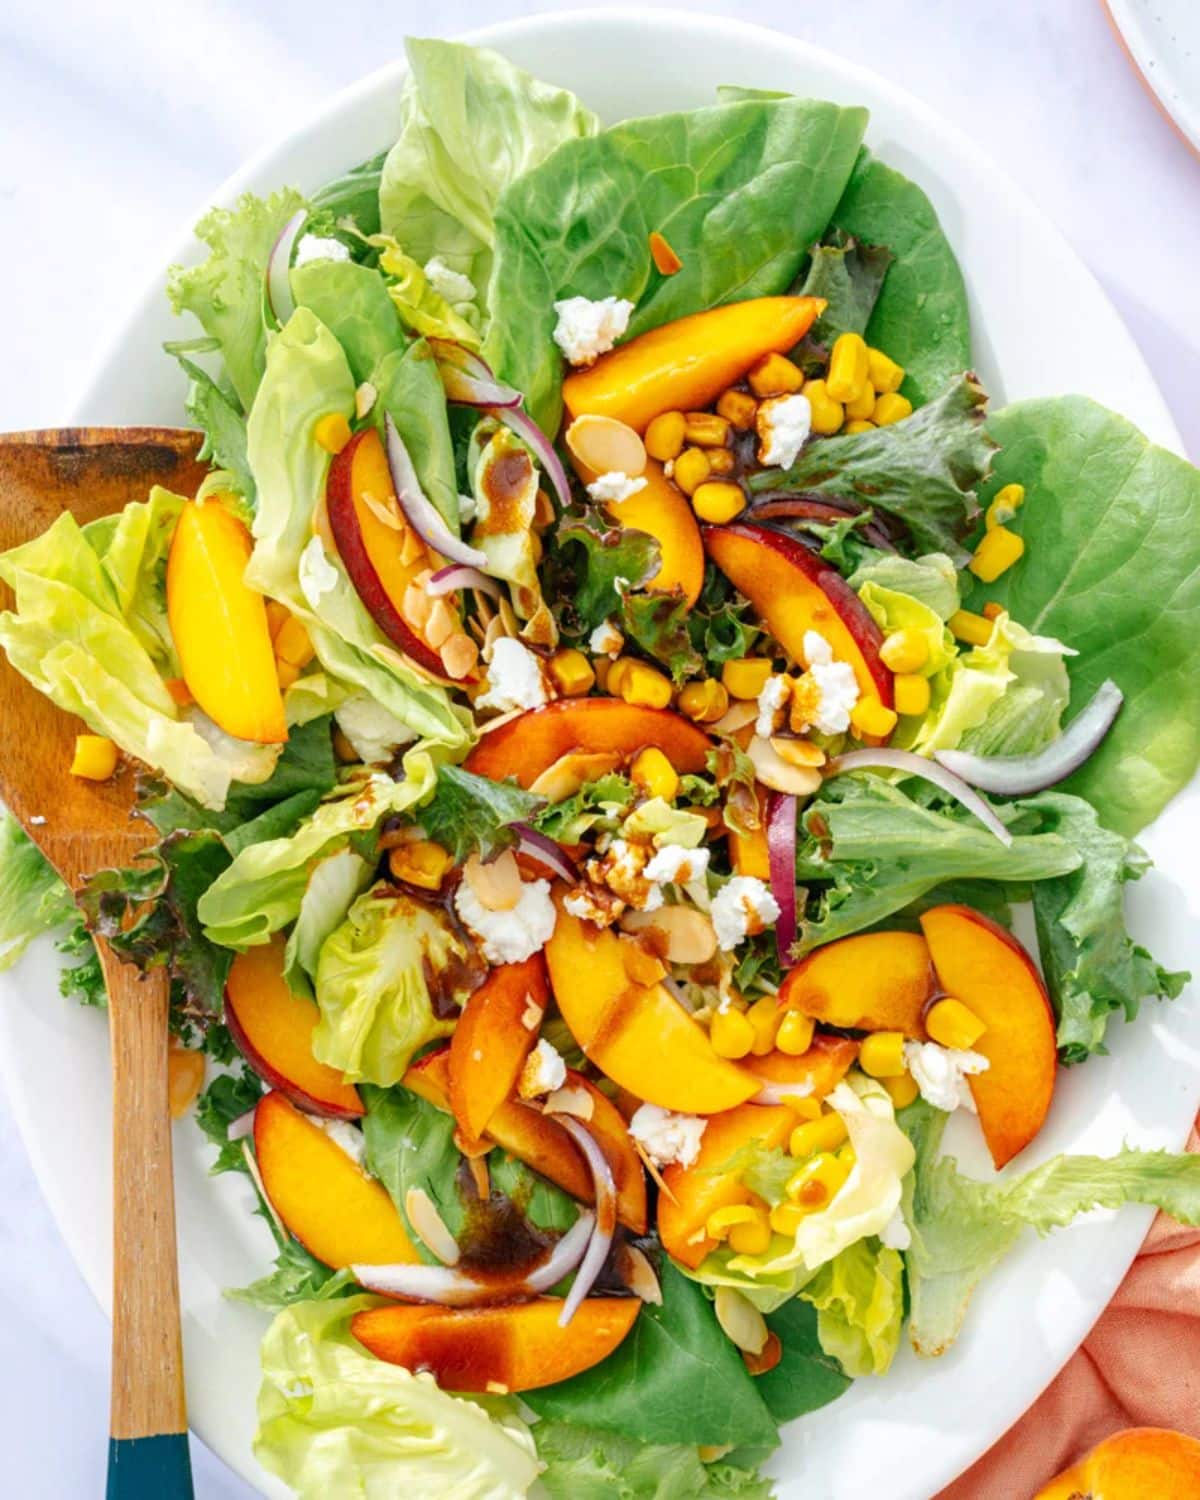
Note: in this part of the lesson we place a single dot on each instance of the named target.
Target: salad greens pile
(389, 857)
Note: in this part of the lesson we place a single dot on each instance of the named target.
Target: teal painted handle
(150, 1468)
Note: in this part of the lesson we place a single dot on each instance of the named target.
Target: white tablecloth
(116, 120)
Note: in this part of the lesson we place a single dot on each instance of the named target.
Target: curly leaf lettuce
(583, 1463)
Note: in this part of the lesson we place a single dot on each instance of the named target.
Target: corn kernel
(860, 409)
(691, 469)
(573, 673)
(664, 436)
(953, 1024)
(718, 501)
(706, 429)
(882, 1054)
(849, 368)
(344, 750)
(421, 863)
(884, 373)
(293, 644)
(795, 1033)
(819, 1180)
(666, 261)
(824, 1134)
(763, 1016)
(332, 432)
(738, 408)
(179, 691)
(1005, 504)
(721, 461)
(859, 425)
(654, 773)
(903, 1090)
(806, 1107)
(996, 553)
(911, 694)
(905, 651)
(774, 375)
(277, 616)
(972, 630)
(786, 1218)
(871, 720)
(992, 610)
(752, 1238)
(95, 757)
(731, 1034)
(748, 853)
(705, 701)
(616, 674)
(891, 407)
(645, 687)
(827, 414)
(287, 673)
(722, 1220)
(746, 676)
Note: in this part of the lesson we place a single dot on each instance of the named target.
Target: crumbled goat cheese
(592, 904)
(316, 247)
(771, 703)
(372, 730)
(825, 695)
(674, 864)
(895, 1234)
(941, 1073)
(783, 427)
(447, 282)
(318, 576)
(614, 486)
(606, 640)
(667, 1138)
(587, 329)
(508, 937)
(623, 870)
(348, 1137)
(544, 1071)
(514, 678)
(742, 907)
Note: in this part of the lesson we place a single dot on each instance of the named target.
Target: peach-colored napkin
(1139, 1367)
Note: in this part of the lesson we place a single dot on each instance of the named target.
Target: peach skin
(816, 1072)
(875, 981)
(498, 1027)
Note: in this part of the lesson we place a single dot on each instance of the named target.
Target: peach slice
(699, 1190)
(814, 1073)
(497, 1349)
(875, 981)
(661, 510)
(638, 1035)
(685, 365)
(1141, 1463)
(528, 744)
(381, 554)
(219, 625)
(498, 1027)
(794, 591)
(334, 1209)
(273, 1030)
(988, 970)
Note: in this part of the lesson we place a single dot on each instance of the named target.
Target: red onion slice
(781, 861)
(243, 1125)
(451, 1286)
(467, 377)
(545, 851)
(530, 433)
(279, 268)
(802, 508)
(420, 512)
(1016, 775)
(917, 765)
(606, 1216)
(457, 576)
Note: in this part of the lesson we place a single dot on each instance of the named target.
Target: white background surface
(113, 129)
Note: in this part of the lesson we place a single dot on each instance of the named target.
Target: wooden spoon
(82, 827)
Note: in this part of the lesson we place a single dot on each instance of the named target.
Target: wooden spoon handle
(148, 1454)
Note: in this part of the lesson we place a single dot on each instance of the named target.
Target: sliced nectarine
(219, 625)
(875, 981)
(1141, 1463)
(661, 510)
(273, 1030)
(794, 591)
(382, 555)
(334, 1209)
(985, 967)
(814, 1073)
(498, 1027)
(526, 745)
(697, 1191)
(514, 1348)
(637, 1034)
(685, 365)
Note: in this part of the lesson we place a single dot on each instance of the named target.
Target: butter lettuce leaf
(33, 899)
(471, 814)
(583, 1463)
(806, 1378)
(859, 1297)
(849, 277)
(932, 580)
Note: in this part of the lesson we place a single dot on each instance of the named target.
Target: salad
(636, 745)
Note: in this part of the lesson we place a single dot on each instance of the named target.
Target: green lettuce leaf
(333, 1420)
(806, 1378)
(597, 804)
(660, 625)
(220, 418)
(590, 563)
(223, 1101)
(850, 277)
(583, 1463)
(859, 1297)
(33, 899)
(1112, 564)
(422, 308)
(962, 1228)
(297, 1277)
(471, 814)
(932, 580)
(354, 195)
(924, 471)
(739, 190)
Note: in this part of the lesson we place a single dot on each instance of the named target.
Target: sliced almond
(386, 512)
(364, 399)
(429, 1226)
(681, 934)
(416, 606)
(571, 1100)
(569, 772)
(543, 510)
(441, 624)
(773, 771)
(740, 1320)
(497, 884)
(412, 548)
(606, 445)
(638, 1275)
(738, 715)
(512, 626)
(459, 655)
(540, 629)
(797, 752)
